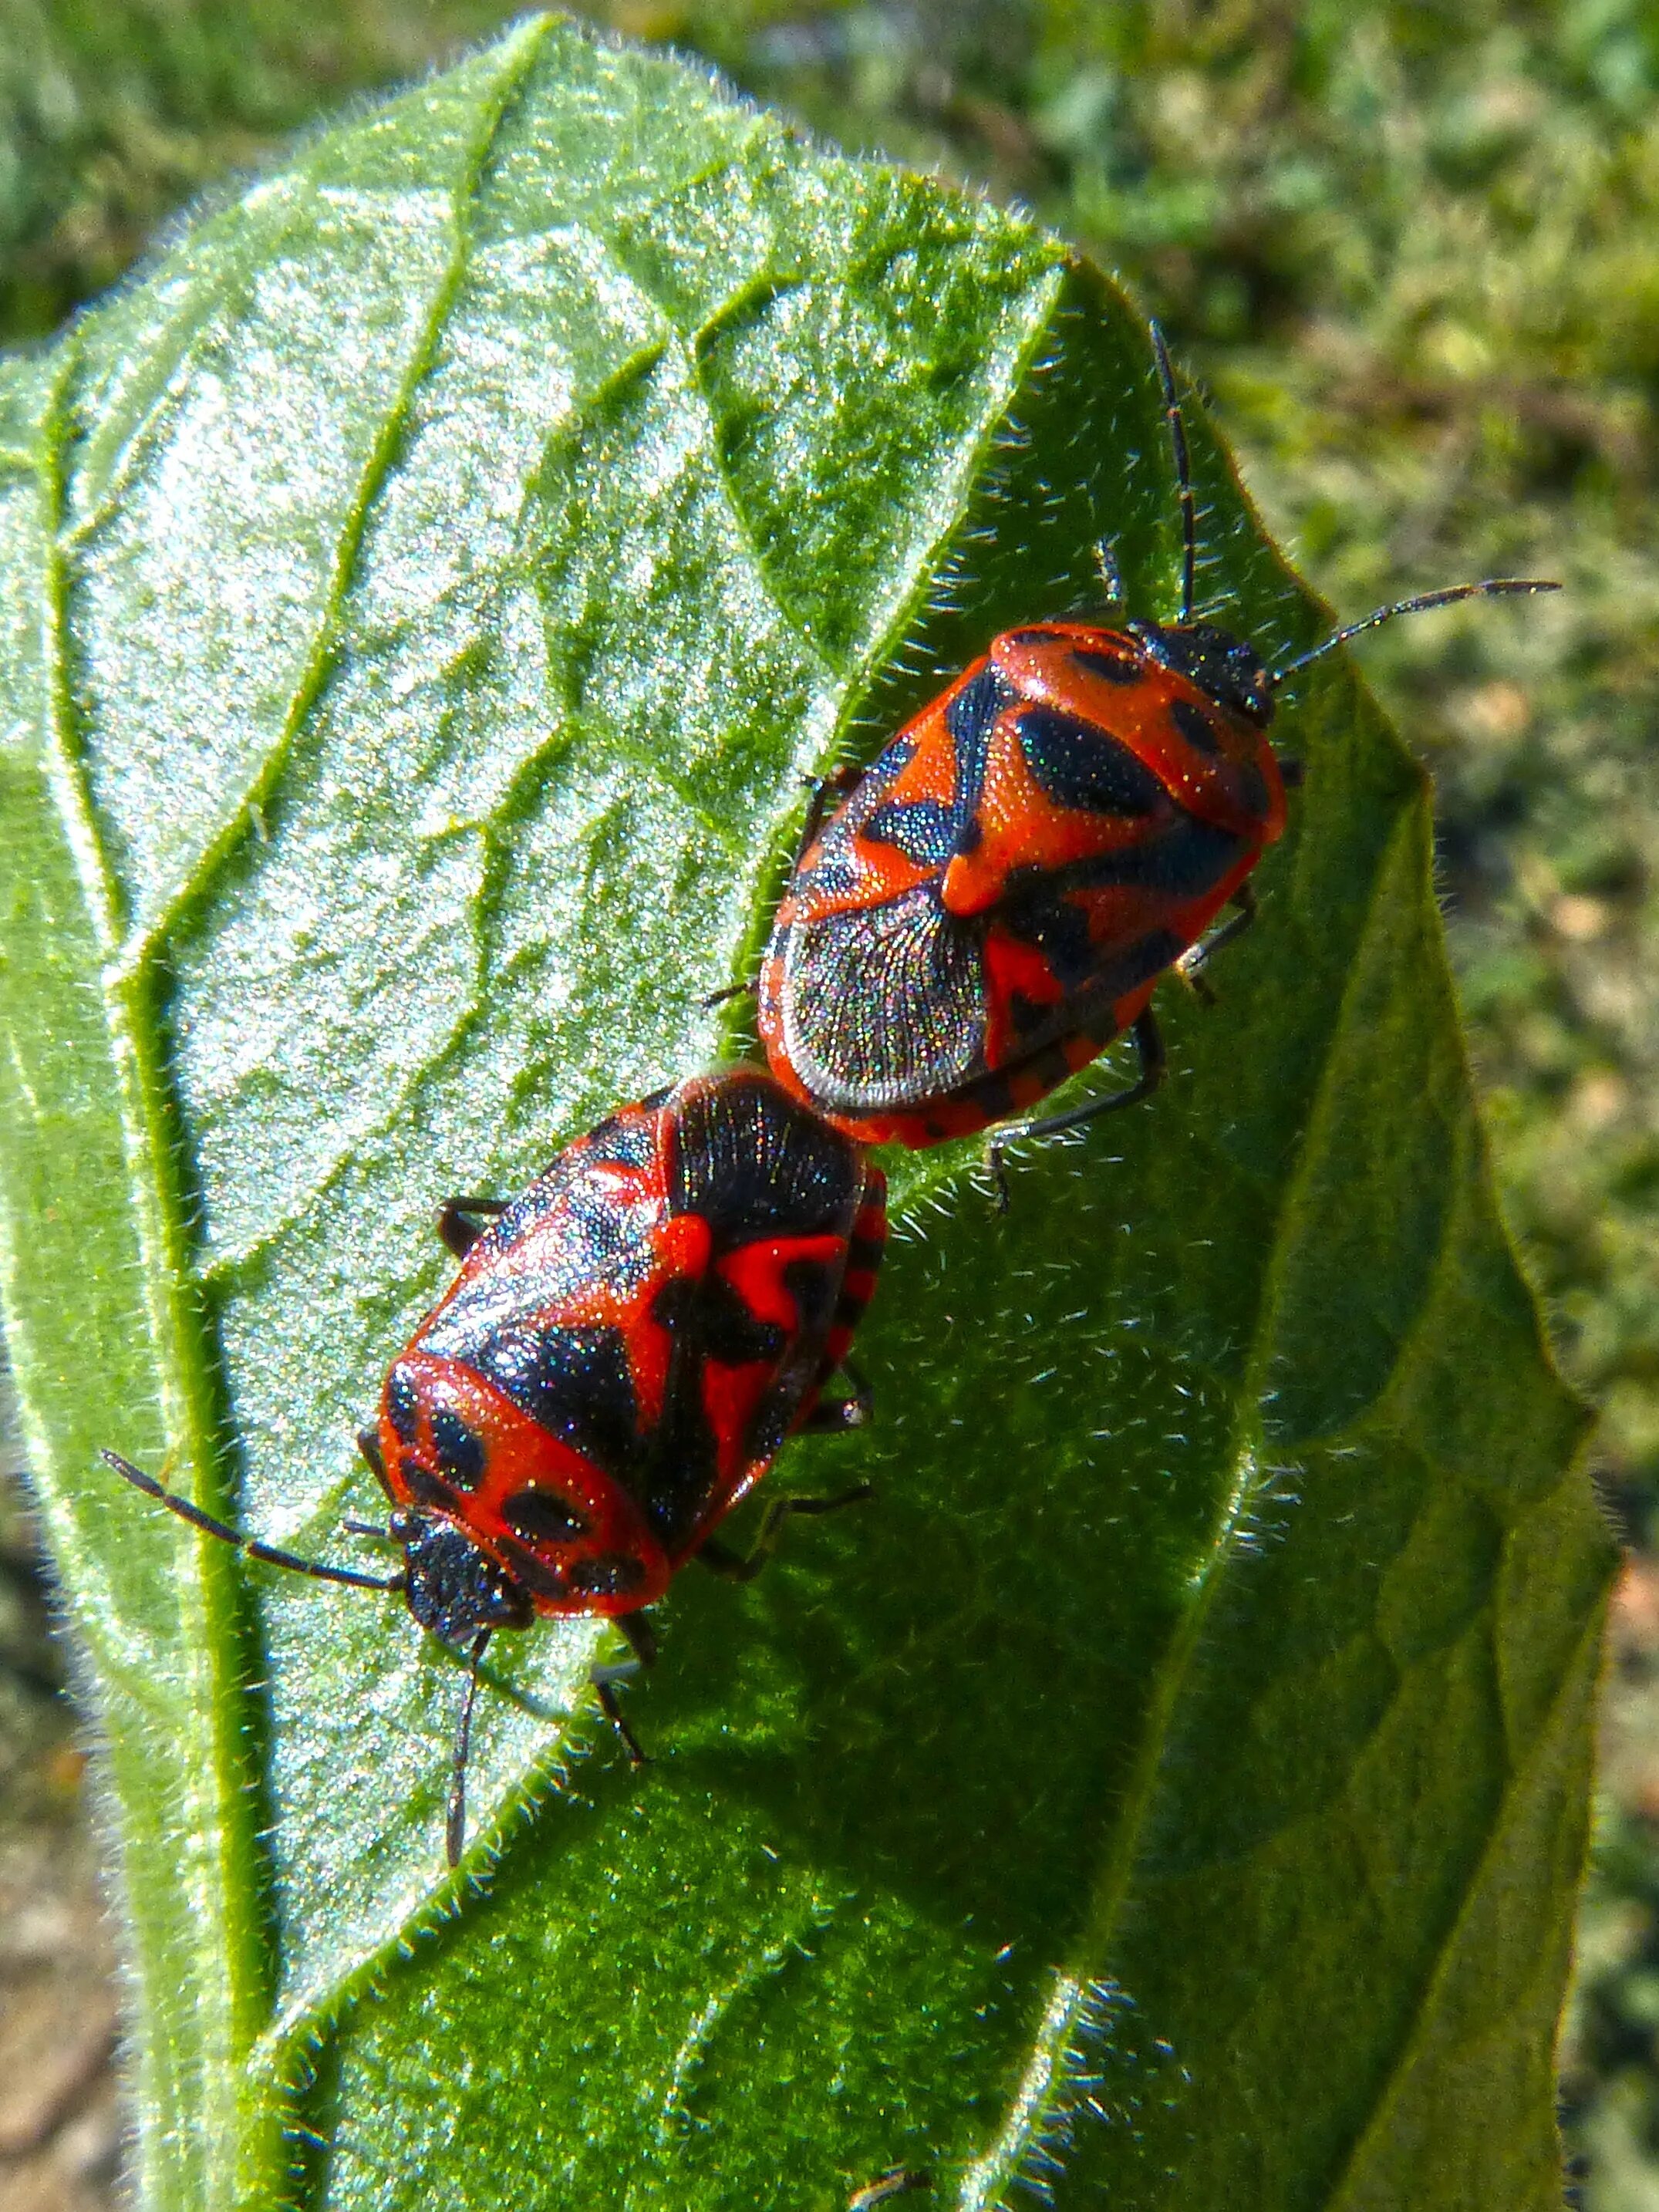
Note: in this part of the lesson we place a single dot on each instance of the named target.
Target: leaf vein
(259, 789)
(949, 512)
(216, 1813)
(1439, 1968)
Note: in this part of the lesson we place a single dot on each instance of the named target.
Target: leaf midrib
(1092, 1960)
(228, 1975)
(237, 2142)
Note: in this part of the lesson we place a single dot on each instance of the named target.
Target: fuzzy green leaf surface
(421, 596)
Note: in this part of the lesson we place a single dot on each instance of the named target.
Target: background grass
(1414, 254)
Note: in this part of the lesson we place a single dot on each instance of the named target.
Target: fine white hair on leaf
(1065, 2080)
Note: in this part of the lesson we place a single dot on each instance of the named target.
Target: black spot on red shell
(1183, 860)
(752, 1163)
(1115, 667)
(812, 1285)
(625, 1140)
(1112, 978)
(1251, 787)
(1196, 726)
(994, 1094)
(608, 1574)
(706, 1314)
(459, 1450)
(833, 873)
(535, 1575)
(574, 1383)
(403, 1404)
(542, 1518)
(969, 715)
(1076, 763)
(922, 830)
(678, 1474)
(864, 1254)
(421, 1485)
(1057, 926)
(1049, 1066)
(928, 831)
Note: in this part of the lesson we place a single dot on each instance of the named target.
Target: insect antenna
(250, 1545)
(455, 1825)
(1491, 587)
(1183, 471)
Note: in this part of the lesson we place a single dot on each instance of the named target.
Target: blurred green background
(1413, 254)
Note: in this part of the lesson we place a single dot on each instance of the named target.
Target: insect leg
(735, 1568)
(642, 1637)
(1191, 962)
(610, 1706)
(852, 1411)
(455, 1825)
(1149, 1044)
(456, 1226)
(640, 1634)
(825, 790)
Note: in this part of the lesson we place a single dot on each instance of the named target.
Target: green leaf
(421, 596)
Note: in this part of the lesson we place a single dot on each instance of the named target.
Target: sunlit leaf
(421, 597)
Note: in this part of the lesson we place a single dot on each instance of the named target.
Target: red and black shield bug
(625, 1350)
(978, 914)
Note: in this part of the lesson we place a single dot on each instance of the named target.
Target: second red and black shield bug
(625, 1350)
(974, 916)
